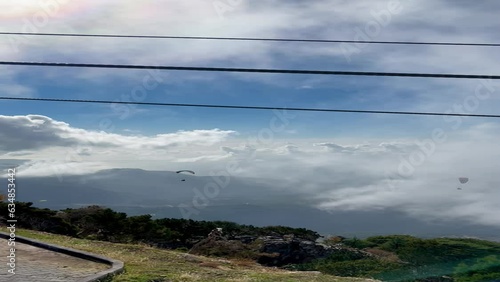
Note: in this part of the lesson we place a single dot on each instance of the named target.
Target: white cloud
(418, 21)
(357, 176)
(346, 175)
(39, 132)
(58, 148)
(59, 167)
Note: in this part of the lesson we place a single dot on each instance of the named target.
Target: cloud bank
(329, 174)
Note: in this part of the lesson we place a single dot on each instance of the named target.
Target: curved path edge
(116, 265)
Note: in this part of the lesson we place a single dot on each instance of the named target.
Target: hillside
(395, 258)
(147, 264)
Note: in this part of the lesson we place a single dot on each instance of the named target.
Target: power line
(254, 39)
(246, 107)
(247, 70)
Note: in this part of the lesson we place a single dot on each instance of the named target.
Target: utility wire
(246, 107)
(254, 39)
(282, 71)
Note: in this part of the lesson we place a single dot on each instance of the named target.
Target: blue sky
(164, 138)
(295, 19)
(337, 93)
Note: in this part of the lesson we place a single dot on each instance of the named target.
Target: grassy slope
(464, 259)
(144, 264)
(442, 256)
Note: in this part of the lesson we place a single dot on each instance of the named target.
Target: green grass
(147, 264)
(409, 258)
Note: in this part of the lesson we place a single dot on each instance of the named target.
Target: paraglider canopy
(188, 171)
(462, 180)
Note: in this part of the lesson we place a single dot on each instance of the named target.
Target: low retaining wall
(116, 266)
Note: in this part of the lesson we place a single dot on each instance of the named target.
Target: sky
(345, 161)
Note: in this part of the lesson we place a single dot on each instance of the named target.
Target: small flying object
(462, 180)
(185, 171)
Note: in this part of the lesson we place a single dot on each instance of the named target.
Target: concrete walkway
(39, 262)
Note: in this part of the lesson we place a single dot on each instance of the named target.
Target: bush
(358, 243)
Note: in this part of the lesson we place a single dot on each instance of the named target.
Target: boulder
(287, 250)
(270, 250)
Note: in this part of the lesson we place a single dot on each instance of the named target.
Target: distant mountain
(244, 200)
(141, 188)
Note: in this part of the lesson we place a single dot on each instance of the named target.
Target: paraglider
(462, 180)
(182, 171)
(190, 171)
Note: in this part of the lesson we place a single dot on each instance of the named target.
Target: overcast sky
(344, 161)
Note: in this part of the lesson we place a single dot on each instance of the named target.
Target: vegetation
(415, 259)
(99, 223)
(148, 264)
(386, 258)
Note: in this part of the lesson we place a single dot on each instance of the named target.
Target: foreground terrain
(155, 249)
(147, 264)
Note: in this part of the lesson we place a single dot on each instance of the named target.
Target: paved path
(35, 264)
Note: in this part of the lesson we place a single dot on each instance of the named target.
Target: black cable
(245, 107)
(282, 71)
(254, 39)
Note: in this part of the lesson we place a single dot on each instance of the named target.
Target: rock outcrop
(284, 251)
(270, 250)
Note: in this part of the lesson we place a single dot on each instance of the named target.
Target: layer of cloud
(412, 20)
(329, 174)
(36, 132)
